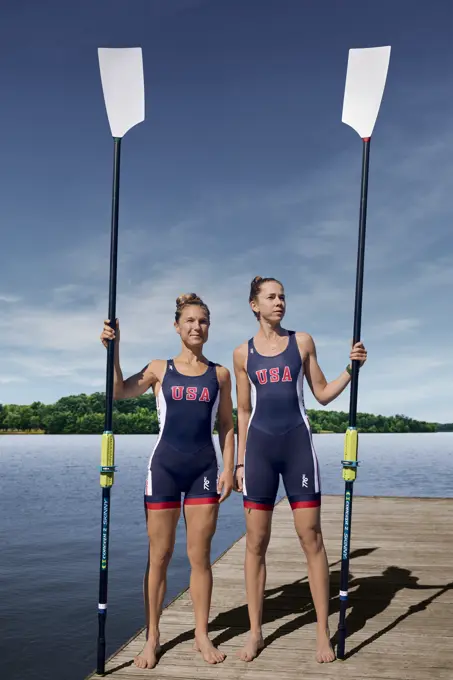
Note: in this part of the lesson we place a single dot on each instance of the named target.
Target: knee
(199, 555)
(199, 547)
(311, 540)
(160, 555)
(256, 543)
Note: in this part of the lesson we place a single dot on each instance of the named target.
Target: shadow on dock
(368, 597)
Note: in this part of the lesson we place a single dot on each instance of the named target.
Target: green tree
(12, 419)
(85, 414)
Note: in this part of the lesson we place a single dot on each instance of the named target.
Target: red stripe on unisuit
(258, 506)
(305, 504)
(166, 505)
(206, 500)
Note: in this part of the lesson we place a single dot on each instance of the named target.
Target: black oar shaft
(112, 283)
(108, 424)
(103, 580)
(359, 282)
(344, 574)
(349, 485)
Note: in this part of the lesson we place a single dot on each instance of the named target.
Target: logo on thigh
(206, 484)
(304, 482)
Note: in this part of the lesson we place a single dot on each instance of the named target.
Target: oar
(365, 83)
(124, 95)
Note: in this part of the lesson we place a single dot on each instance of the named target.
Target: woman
(274, 438)
(189, 391)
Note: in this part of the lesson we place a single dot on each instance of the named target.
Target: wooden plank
(400, 609)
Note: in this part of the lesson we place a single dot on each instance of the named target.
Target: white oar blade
(365, 83)
(123, 86)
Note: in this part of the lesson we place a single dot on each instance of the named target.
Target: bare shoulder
(156, 369)
(305, 344)
(304, 340)
(223, 375)
(240, 355)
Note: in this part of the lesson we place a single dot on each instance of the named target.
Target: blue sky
(242, 167)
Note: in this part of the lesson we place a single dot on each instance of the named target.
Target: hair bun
(185, 298)
(257, 279)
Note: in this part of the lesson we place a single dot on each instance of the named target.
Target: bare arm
(137, 384)
(323, 391)
(225, 412)
(244, 404)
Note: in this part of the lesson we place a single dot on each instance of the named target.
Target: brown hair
(187, 299)
(255, 288)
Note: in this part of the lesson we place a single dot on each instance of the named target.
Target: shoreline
(155, 434)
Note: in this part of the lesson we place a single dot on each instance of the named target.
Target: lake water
(50, 506)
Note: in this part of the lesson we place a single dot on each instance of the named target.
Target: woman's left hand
(358, 353)
(225, 485)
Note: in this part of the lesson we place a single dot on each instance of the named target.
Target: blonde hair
(187, 299)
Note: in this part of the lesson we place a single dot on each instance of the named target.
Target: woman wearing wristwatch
(274, 438)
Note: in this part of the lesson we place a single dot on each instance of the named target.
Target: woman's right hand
(108, 333)
(238, 479)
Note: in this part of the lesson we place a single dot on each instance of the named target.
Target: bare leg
(258, 524)
(308, 526)
(161, 531)
(201, 523)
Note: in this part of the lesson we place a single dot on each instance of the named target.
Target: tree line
(84, 414)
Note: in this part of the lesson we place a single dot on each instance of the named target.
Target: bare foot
(324, 650)
(251, 648)
(207, 650)
(148, 656)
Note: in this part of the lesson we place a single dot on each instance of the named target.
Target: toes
(245, 655)
(325, 657)
(209, 653)
(140, 662)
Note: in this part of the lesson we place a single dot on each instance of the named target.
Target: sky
(242, 167)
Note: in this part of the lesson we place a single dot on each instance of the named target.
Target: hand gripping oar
(124, 95)
(365, 82)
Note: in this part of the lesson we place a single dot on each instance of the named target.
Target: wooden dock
(400, 610)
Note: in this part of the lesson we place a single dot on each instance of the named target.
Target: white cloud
(311, 245)
(394, 327)
(8, 379)
(10, 299)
